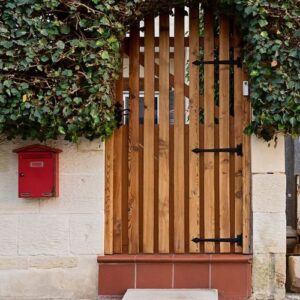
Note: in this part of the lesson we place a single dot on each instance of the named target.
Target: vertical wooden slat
(194, 160)
(224, 129)
(133, 155)
(171, 187)
(201, 145)
(246, 176)
(232, 185)
(179, 180)
(209, 191)
(148, 229)
(125, 190)
(238, 138)
(163, 205)
(118, 173)
(186, 189)
(217, 183)
(141, 184)
(108, 238)
(156, 168)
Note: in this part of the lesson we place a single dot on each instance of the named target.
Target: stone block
(81, 186)
(9, 146)
(71, 205)
(9, 201)
(260, 273)
(11, 204)
(268, 192)
(76, 162)
(79, 282)
(7, 161)
(8, 234)
(268, 275)
(86, 234)
(294, 273)
(51, 262)
(43, 235)
(269, 233)
(86, 145)
(13, 262)
(266, 157)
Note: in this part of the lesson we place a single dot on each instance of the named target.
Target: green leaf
(60, 44)
(77, 100)
(104, 55)
(61, 130)
(264, 34)
(263, 23)
(44, 58)
(65, 29)
(293, 121)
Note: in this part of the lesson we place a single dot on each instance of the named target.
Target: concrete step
(171, 294)
(292, 296)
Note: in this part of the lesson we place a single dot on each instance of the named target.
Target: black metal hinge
(217, 62)
(120, 112)
(238, 150)
(237, 240)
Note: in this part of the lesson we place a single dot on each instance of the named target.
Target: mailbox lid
(37, 174)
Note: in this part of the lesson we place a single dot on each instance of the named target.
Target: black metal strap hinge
(120, 112)
(238, 150)
(217, 62)
(237, 240)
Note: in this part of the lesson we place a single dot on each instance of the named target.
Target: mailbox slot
(38, 171)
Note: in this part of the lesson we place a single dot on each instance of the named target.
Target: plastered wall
(269, 220)
(48, 247)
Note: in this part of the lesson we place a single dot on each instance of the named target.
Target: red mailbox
(38, 171)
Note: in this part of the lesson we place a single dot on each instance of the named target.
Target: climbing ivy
(271, 31)
(59, 61)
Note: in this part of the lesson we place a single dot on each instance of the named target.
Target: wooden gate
(159, 193)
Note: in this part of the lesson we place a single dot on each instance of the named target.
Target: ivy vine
(59, 61)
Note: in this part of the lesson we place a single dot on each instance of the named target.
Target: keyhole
(22, 174)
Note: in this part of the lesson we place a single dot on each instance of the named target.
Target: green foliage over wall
(271, 31)
(59, 61)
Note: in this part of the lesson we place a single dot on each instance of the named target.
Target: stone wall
(48, 247)
(269, 220)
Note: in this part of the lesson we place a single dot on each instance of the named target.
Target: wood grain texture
(171, 80)
(149, 110)
(179, 179)
(125, 239)
(158, 193)
(224, 134)
(164, 143)
(194, 159)
(118, 153)
(246, 176)
(134, 139)
(238, 139)
(108, 209)
(209, 191)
